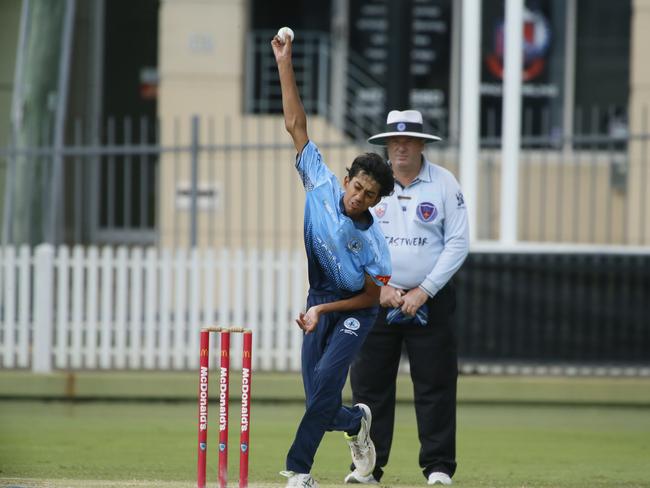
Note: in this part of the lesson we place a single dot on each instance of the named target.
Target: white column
(511, 127)
(339, 75)
(470, 108)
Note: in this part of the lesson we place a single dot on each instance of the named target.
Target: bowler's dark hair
(374, 166)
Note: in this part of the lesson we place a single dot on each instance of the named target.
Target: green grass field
(512, 432)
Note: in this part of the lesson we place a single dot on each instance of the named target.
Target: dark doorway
(127, 204)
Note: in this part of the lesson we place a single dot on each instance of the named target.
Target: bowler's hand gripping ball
(285, 32)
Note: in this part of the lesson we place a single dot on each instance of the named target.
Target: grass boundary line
(284, 401)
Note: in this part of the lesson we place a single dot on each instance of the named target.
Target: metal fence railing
(232, 183)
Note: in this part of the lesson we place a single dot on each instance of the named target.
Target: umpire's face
(361, 193)
(405, 153)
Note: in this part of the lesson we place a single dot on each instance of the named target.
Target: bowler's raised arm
(295, 119)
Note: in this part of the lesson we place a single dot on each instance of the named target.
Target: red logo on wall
(536, 41)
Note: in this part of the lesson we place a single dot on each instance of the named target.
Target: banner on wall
(429, 52)
(542, 70)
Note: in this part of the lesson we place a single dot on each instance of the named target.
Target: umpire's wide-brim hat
(407, 123)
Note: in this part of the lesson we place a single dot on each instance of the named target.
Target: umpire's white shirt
(426, 230)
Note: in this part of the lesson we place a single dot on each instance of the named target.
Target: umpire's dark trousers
(433, 362)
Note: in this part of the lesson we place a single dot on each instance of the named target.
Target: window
(602, 67)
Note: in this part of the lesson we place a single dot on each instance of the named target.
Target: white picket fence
(119, 308)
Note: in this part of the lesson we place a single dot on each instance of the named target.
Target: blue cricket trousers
(326, 357)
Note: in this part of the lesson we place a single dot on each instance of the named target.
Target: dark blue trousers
(326, 357)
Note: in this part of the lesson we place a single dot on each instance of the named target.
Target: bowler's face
(405, 152)
(361, 193)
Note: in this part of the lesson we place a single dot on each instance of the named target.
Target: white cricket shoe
(299, 480)
(439, 478)
(361, 446)
(355, 478)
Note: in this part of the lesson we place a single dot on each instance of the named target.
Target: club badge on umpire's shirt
(425, 222)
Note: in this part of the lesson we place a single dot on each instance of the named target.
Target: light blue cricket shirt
(339, 251)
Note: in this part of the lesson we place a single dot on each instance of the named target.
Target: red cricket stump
(246, 377)
(204, 371)
(224, 396)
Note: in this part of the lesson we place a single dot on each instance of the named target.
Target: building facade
(174, 110)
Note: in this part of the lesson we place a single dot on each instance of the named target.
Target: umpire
(425, 224)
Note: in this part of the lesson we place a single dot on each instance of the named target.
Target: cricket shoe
(299, 480)
(361, 446)
(355, 478)
(438, 477)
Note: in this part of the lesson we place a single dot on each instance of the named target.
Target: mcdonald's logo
(224, 353)
(247, 354)
(204, 352)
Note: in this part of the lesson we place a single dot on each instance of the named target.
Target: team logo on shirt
(351, 324)
(427, 211)
(354, 245)
(384, 279)
(460, 200)
(380, 209)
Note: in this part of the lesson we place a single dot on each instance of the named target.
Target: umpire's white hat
(405, 123)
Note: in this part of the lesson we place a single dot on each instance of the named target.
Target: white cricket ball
(285, 32)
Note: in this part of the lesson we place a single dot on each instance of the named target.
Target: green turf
(288, 387)
(512, 432)
(501, 446)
